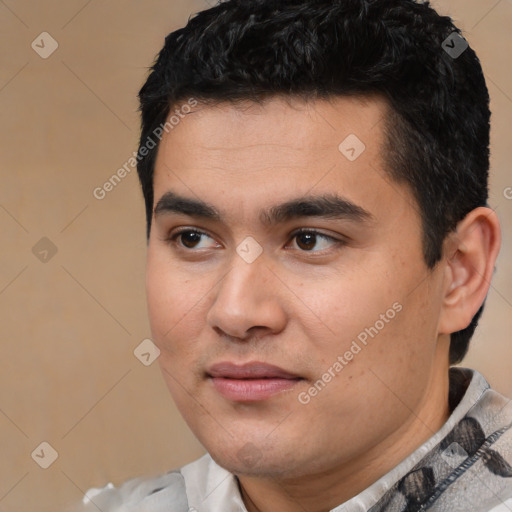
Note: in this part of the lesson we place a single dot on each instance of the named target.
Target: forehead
(280, 131)
(261, 154)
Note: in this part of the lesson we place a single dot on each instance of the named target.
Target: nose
(249, 298)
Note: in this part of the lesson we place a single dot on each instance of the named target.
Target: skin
(301, 303)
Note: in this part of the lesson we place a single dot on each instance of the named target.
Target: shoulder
(175, 491)
(479, 450)
(147, 494)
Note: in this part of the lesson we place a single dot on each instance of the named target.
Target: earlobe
(470, 256)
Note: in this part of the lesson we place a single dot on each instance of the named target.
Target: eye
(190, 238)
(307, 239)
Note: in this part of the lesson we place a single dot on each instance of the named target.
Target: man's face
(347, 310)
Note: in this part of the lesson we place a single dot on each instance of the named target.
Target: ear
(469, 256)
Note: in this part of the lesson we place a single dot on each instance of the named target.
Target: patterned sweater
(465, 467)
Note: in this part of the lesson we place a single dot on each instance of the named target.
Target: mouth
(250, 382)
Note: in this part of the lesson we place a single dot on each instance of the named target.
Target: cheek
(175, 326)
(372, 312)
(164, 308)
(174, 304)
(346, 304)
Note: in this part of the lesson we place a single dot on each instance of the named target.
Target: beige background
(69, 325)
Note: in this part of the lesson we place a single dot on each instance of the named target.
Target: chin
(257, 459)
(261, 467)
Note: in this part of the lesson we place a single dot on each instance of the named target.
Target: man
(319, 251)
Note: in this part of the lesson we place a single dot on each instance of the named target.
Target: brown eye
(190, 238)
(307, 240)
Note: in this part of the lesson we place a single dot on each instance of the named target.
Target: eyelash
(171, 239)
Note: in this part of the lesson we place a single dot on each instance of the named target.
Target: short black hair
(437, 129)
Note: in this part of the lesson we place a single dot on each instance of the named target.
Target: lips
(249, 371)
(250, 382)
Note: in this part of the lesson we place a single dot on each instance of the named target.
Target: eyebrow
(328, 206)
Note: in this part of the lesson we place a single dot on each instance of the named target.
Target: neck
(324, 491)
